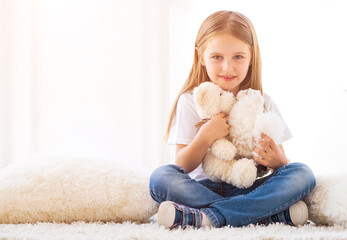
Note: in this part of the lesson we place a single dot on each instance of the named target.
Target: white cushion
(64, 189)
(328, 201)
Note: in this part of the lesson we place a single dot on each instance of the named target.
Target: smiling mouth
(227, 78)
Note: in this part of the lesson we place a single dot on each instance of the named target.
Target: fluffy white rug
(68, 189)
(127, 230)
(328, 201)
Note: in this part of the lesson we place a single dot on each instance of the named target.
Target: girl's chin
(227, 86)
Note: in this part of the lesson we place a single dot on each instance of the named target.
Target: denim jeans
(225, 204)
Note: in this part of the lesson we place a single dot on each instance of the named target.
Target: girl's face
(227, 59)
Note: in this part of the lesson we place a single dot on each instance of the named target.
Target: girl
(227, 54)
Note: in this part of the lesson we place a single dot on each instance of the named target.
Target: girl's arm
(190, 156)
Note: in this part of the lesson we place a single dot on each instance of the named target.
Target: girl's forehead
(226, 43)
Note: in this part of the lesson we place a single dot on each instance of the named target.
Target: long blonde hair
(217, 23)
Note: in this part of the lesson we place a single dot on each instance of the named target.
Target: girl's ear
(200, 56)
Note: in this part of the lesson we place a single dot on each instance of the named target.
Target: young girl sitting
(227, 54)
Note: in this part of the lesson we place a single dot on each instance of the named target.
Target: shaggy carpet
(84, 191)
(128, 230)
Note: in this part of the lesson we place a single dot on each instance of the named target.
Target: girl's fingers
(264, 145)
(260, 152)
(269, 140)
(259, 160)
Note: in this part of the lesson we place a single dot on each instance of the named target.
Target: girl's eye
(238, 57)
(217, 57)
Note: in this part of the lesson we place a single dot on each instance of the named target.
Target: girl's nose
(228, 65)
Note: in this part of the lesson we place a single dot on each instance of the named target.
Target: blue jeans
(225, 204)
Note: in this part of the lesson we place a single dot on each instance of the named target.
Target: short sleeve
(182, 129)
(271, 106)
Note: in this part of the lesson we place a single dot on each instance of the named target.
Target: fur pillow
(74, 189)
(328, 201)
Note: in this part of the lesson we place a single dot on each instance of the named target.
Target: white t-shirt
(183, 130)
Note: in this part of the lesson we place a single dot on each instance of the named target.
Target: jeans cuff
(213, 218)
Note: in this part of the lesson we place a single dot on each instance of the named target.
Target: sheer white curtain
(84, 78)
(303, 51)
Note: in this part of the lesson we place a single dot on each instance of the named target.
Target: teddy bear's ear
(207, 99)
(247, 92)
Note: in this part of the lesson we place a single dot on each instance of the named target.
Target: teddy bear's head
(210, 100)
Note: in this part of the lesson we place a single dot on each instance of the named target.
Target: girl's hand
(272, 156)
(215, 128)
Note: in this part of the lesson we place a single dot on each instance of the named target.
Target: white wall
(97, 78)
(303, 52)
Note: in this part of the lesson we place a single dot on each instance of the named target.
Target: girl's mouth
(228, 78)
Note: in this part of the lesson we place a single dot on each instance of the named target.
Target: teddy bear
(230, 159)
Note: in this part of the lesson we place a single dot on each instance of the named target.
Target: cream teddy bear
(230, 159)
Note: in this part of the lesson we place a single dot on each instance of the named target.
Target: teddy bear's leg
(244, 173)
(224, 149)
(216, 168)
